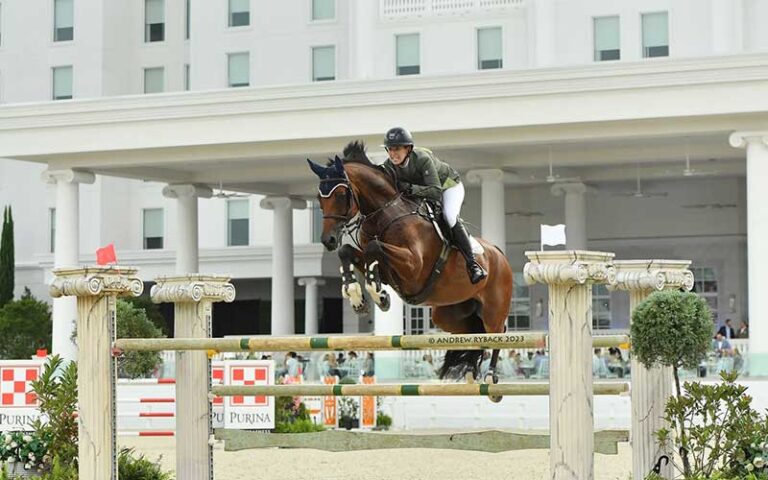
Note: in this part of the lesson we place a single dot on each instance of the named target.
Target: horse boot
(461, 240)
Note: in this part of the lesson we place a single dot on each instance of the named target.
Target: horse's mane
(354, 152)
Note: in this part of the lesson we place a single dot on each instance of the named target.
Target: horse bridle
(351, 197)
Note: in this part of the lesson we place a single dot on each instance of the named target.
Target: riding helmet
(398, 136)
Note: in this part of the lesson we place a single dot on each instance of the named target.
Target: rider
(422, 174)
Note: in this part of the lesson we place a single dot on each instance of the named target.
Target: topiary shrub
(132, 322)
(139, 468)
(673, 329)
(25, 326)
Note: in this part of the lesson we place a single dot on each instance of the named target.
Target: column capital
(741, 139)
(482, 175)
(67, 176)
(282, 203)
(95, 281)
(311, 281)
(193, 288)
(186, 190)
(652, 275)
(570, 188)
(569, 267)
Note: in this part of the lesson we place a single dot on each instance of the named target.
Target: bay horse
(400, 247)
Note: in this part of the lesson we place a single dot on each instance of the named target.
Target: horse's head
(336, 200)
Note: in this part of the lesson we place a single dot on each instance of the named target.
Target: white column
(575, 214)
(310, 304)
(362, 15)
(282, 261)
(66, 252)
(492, 219)
(756, 144)
(727, 26)
(544, 31)
(387, 364)
(187, 245)
(569, 276)
(651, 388)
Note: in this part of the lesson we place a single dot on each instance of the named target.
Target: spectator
(727, 330)
(292, 365)
(368, 365)
(599, 367)
(721, 345)
(329, 366)
(743, 330)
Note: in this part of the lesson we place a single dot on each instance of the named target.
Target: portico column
(363, 14)
(187, 246)
(727, 31)
(651, 388)
(310, 304)
(282, 261)
(492, 219)
(387, 364)
(756, 144)
(544, 32)
(569, 276)
(575, 214)
(66, 252)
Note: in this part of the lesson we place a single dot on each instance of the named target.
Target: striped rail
(366, 343)
(399, 390)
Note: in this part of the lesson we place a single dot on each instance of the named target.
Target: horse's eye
(340, 195)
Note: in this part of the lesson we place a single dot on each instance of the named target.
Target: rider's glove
(404, 186)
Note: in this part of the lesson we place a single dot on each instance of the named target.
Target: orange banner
(329, 405)
(368, 406)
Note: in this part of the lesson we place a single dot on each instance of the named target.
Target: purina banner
(18, 403)
(255, 412)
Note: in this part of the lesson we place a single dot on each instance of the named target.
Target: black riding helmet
(397, 136)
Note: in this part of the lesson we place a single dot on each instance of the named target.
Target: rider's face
(398, 153)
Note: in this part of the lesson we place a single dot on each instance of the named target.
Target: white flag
(552, 235)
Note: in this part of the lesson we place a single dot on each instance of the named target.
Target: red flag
(106, 255)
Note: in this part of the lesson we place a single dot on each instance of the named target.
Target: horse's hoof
(384, 302)
(491, 378)
(361, 309)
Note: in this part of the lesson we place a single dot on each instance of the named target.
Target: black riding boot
(461, 240)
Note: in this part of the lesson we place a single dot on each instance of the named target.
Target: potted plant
(349, 416)
(24, 454)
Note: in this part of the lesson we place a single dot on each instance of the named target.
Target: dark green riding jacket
(428, 175)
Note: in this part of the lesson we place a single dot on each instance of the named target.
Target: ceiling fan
(524, 213)
(552, 178)
(688, 171)
(711, 206)
(222, 194)
(638, 191)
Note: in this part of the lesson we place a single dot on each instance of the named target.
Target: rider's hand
(404, 186)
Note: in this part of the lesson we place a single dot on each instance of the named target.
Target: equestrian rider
(422, 174)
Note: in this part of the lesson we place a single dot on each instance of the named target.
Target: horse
(400, 246)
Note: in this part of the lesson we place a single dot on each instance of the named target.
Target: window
(601, 307)
(323, 64)
(63, 20)
(239, 69)
(154, 80)
(62, 83)
(655, 35)
(407, 47)
(237, 222)
(489, 48)
(316, 221)
(417, 320)
(705, 284)
(323, 9)
(186, 77)
(607, 39)
(154, 20)
(187, 19)
(153, 228)
(239, 13)
(519, 317)
(52, 228)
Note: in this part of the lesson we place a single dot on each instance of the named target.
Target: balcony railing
(393, 9)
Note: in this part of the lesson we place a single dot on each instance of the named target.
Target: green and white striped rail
(346, 342)
(400, 390)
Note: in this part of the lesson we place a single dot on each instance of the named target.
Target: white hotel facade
(177, 130)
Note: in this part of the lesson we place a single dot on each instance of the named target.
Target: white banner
(256, 412)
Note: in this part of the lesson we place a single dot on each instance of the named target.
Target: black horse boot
(461, 240)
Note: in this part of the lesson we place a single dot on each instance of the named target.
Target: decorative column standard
(187, 245)
(575, 214)
(193, 296)
(756, 144)
(282, 262)
(569, 276)
(310, 304)
(66, 252)
(651, 388)
(96, 289)
(492, 219)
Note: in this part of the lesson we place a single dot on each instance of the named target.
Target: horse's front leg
(351, 289)
(373, 283)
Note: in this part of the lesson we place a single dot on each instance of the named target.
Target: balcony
(402, 9)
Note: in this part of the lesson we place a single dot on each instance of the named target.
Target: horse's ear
(339, 164)
(318, 169)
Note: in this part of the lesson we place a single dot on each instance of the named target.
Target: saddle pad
(477, 249)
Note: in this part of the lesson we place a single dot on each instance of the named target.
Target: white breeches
(452, 200)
